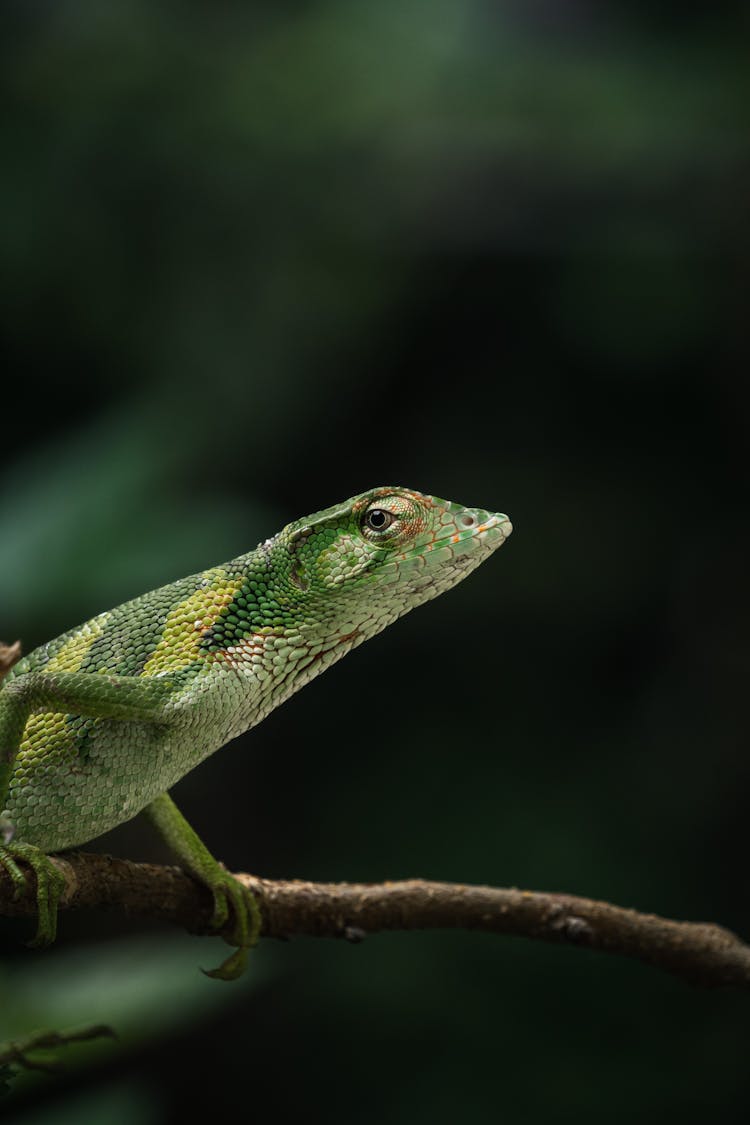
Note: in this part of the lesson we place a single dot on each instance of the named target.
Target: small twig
(702, 953)
(17, 1052)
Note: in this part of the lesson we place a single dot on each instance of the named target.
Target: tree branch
(702, 953)
(9, 655)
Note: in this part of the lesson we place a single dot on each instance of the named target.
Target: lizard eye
(377, 519)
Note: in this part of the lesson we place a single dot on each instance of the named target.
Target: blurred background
(259, 257)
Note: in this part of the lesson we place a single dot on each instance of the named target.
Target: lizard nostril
(467, 519)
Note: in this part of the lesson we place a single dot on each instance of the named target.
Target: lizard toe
(229, 893)
(50, 883)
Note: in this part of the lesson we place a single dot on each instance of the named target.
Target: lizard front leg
(196, 858)
(75, 693)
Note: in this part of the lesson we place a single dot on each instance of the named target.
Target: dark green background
(259, 257)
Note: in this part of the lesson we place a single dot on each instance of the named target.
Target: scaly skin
(98, 724)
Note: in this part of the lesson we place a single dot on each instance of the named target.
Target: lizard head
(363, 563)
(328, 582)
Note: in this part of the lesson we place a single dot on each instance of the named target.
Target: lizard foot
(50, 883)
(229, 892)
(231, 898)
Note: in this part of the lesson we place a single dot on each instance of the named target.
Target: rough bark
(702, 953)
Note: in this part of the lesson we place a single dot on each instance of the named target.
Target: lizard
(98, 724)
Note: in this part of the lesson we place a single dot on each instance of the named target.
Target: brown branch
(702, 953)
(9, 655)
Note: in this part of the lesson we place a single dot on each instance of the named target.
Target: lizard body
(98, 724)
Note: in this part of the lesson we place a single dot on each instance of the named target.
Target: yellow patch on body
(189, 620)
(47, 740)
(48, 731)
(72, 654)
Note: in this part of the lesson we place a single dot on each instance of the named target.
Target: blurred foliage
(146, 987)
(258, 257)
(36, 1051)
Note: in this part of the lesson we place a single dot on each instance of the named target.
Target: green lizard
(98, 724)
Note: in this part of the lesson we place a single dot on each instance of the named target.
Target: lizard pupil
(377, 519)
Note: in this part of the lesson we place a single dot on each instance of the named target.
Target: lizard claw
(232, 968)
(246, 926)
(50, 883)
